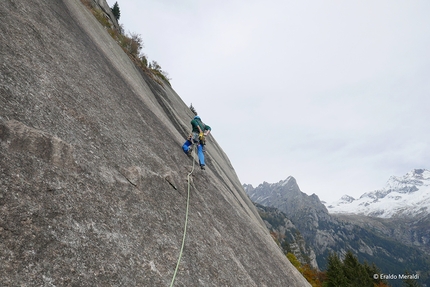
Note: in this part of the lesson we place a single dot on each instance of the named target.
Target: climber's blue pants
(200, 154)
(186, 146)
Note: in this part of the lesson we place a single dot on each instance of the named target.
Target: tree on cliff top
(115, 11)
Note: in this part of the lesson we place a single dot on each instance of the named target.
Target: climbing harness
(202, 138)
(185, 226)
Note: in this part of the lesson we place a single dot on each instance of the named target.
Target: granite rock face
(93, 181)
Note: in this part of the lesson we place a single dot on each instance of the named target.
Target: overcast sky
(333, 93)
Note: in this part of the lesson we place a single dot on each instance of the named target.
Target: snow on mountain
(406, 196)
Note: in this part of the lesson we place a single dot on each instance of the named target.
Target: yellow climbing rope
(185, 226)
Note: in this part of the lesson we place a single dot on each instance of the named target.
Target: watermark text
(396, 276)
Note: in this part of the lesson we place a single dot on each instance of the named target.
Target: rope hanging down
(185, 227)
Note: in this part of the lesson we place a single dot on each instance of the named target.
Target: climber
(198, 137)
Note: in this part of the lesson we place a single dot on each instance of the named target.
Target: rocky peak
(347, 198)
(409, 182)
(287, 197)
(266, 193)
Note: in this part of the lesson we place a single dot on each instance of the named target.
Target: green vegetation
(193, 109)
(131, 44)
(410, 282)
(115, 11)
(314, 277)
(340, 272)
(350, 272)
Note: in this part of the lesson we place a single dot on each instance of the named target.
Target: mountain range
(405, 196)
(395, 245)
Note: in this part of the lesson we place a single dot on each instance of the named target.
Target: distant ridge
(405, 196)
(394, 245)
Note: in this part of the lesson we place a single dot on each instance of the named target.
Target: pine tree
(371, 271)
(355, 272)
(410, 282)
(115, 11)
(335, 273)
(193, 109)
(350, 272)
